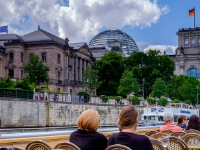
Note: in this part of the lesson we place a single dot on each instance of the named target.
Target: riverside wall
(18, 113)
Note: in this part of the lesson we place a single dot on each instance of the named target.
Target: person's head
(182, 119)
(167, 118)
(89, 120)
(193, 123)
(128, 118)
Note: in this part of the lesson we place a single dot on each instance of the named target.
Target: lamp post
(197, 94)
(143, 90)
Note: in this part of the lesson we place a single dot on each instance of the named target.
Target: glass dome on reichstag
(107, 38)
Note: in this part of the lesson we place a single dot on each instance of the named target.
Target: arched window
(186, 41)
(193, 40)
(193, 72)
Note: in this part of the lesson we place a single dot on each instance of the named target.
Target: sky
(151, 23)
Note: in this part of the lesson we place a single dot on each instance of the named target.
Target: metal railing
(18, 94)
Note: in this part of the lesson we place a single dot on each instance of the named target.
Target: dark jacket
(88, 140)
(133, 141)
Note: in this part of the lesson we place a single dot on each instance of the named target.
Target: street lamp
(143, 90)
(197, 94)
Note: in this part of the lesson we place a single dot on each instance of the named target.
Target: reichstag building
(106, 40)
(187, 57)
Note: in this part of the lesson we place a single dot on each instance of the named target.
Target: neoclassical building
(187, 57)
(66, 61)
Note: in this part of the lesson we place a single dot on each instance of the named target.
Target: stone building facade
(66, 61)
(187, 57)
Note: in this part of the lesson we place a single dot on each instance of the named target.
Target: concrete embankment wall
(15, 113)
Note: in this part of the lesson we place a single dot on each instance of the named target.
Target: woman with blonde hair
(128, 121)
(87, 137)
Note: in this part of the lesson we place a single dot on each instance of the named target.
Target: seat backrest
(67, 146)
(158, 135)
(17, 148)
(118, 147)
(179, 134)
(168, 132)
(192, 139)
(193, 131)
(38, 145)
(150, 133)
(176, 144)
(156, 144)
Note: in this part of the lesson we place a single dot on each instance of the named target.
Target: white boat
(175, 109)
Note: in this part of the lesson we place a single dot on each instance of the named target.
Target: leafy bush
(188, 101)
(7, 83)
(163, 101)
(104, 98)
(86, 96)
(135, 100)
(117, 98)
(151, 100)
(175, 101)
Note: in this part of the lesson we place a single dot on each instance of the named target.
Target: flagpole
(194, 16)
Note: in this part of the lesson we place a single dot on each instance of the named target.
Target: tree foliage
(183, 88)
(175, 101)
(110, 69)
(90, 78)
(149, 66)
(86, 96)
(37, 71)
(128, 84)
(162, 101)
(24, 84)
(135, 100)
(159, 88)
(151, 100)
(7, 83)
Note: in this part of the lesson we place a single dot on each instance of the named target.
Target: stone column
(72, 68)
(80, 70)
(77, 65)
(66, 70)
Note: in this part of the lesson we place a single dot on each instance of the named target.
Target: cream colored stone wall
(15, 113)
(22, 113)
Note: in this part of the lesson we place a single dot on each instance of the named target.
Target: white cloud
(82, 19)
(169, 49)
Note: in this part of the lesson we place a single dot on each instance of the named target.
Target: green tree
(175, 101)
(149, 66)
(110, 69)
(151, 100)
(159, 88)
(188, 89)
(90, 79)
(174, 85)
(135, 100)
(128, 84)
(37, 71)
(162, 101)
(85, 95)
(24, 84)
(7, 83)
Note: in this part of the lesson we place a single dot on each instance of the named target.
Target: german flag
(191, 12)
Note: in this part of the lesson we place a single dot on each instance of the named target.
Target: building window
(193, 72)
(11, 56)
(186, 40)
(44, 57)
(199, 40)
(58, 58)
(70, 91)
(22, 57)
(193, 40)
(11, 73)
(22, 74)
(58, 75)
(58, 89)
